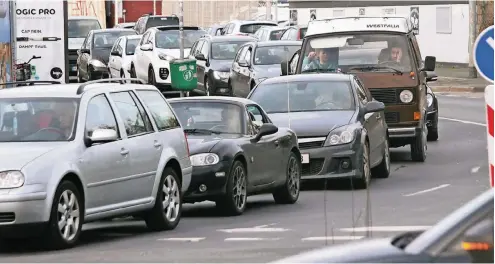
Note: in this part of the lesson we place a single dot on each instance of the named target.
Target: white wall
(447, 47)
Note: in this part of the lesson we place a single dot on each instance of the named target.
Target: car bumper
(100, 72)
(186, 178)
(403, 132)
(220, 86)
(213, 177)
(329, 162)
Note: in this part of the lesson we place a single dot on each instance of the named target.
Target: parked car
(214, 57)
(119, 150)
(148, 21)
(432, 112)
(159, 46)
(267, 33)
(257, 61)
(464, 236)
(78, 28)
(294, 33)
(119, 63)
(236, 151)
(215, 30)
(125, 25)
(245, 27)
(92, 60)
(341, 130)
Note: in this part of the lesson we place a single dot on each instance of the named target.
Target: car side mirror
(430, 63)
(373, 106)
(115, 53)
(100, 136)
(265, 130)
(200, 57)
(478, 242)
(431, 76)
(258, 123)
(243, 63)
(146, 47)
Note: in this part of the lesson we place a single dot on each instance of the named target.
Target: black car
(432, 112)
(93, 56)
(214, 57)
(341, 129)
(465, 236)
(236, 151)
(258, 61)
(147, 21)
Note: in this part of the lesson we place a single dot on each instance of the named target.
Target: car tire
(151, 76)
(90, 75)
(231, 90)
(67, 208)
(433, 130)
(383, 169)
(419, 147)
(289, 192)
(236, 186)
(167, 211)
(122, 76)
(207, 87)
(364, 180)
(133, 72)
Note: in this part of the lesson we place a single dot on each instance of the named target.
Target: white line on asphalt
(183, 239)
(427, 190)
(463, 121)
(254, 230)
(385, 229)
(475, 169)
(340, 238)
(251, 239)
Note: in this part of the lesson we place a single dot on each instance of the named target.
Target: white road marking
(490, 42)
(427, 190)
(256, 229)
(385, 229)
(183, 239)
(475, 169)
(462, 121)
(339, 238)
(251, 239)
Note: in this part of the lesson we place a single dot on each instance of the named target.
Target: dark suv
(148, 21)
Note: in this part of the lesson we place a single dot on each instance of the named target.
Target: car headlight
(97, 63)
(204, 159)
(165, 57)
(221, 75)
(406, 96)
(429, 98)
(341, 135)
(11, 179)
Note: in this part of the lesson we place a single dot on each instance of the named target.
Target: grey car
(268, 33)
(73, 154)
(258, 61)
(244, 27)
(340, 128)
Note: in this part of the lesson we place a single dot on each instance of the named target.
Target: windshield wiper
(200, 131)
(320, 70)
(372, 68)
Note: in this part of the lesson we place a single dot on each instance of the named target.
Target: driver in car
(230, 121)
(65, 112)
(323, 59)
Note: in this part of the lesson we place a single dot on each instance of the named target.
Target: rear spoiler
(165, 28)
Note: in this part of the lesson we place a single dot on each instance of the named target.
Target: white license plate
(304, 158)
(74, 68)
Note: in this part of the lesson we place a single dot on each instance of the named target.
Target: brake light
(187, 145)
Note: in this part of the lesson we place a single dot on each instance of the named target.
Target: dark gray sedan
(257, 61)
(341, 129)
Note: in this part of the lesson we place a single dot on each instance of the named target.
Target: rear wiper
(371, 68)
(200, 131)
(320, 70)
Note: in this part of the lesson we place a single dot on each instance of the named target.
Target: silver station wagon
(71, 154)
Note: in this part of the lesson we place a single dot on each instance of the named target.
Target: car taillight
(187, 145)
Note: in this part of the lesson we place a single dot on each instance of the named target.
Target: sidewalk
(456, 79)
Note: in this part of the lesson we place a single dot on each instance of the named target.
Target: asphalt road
(414, 197)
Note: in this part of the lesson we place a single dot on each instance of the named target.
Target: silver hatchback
(71, 154)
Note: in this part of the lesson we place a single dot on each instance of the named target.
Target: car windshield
(37, 119)
(131, 45)
(252, 28)
(79, 28)
(225, 50)
(304, 96)
(274, 54)
(162, 21)
(105, 40)
(217, 117)
(372, 52)
(169, 39)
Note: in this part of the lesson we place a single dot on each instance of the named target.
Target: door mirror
(258, 123)
(146, 47)
(374, 106)
(243, 63)
(478, 242)
(83, 50)
(265, 130)
(289, 67)
(102, 136)
(115, 53)
(431, 76)
(430, 62)
(200, 57)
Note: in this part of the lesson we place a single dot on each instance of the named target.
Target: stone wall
(485, 14)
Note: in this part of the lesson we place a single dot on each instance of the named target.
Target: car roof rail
(30, 83)
(81, 88)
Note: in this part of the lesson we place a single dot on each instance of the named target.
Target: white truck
(78, 28)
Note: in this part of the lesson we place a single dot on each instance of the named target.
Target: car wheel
(122, 75)
(66, 216)
(433, 130)
(167, 211)
(231, 91)
(289, 192)
(364, 181)
(79, 80)
(383, 169)
(133, 72)
(419, 147)
(207, 87)
(90, 74)
(151, 76)
(234, 202)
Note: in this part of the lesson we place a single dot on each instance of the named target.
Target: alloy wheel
(68, 215)
(239, 190)
(171, 198)
(294, 183)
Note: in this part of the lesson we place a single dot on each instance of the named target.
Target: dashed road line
(183, 239)
(427, 190)
(475, 169)
(462, 121)
(333, 238)
(252, 239)
(385, 229)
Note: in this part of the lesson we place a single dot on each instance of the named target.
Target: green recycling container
(183, 74)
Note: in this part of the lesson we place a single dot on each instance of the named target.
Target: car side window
(144, 38)
(257, 113)
(369, 97)
(231, 28)
(88, 41)
(160, 110)
(205, 49)
(133, 119)
(116, 45)
(193, 48)
(293, 34)
(360, 92)
(99, 115)
(416, 50)
(247, 57)
(151, 39)
(240, 54)
(199, 47)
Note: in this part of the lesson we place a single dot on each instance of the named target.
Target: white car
(121, 56)
(158, 46)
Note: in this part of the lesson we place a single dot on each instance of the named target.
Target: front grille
(386, 96)
(7, 217)
(308, 145)
(392, 117)
(313, 167)
(72, 61)
(164, 73)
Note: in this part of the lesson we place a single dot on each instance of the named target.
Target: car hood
(16, 155)
(205, 143)
(75, 43)
(174, 52)
(267, 71)
(101, 54)
(312, 124)
(221, 65)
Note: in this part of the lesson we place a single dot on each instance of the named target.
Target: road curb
(457, 89)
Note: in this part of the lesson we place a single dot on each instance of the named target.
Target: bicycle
(24, 70)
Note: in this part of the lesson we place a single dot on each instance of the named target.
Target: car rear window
(251, 28)
(162, 21)
(276, 34)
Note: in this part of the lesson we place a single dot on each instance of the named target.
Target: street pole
(473, 22)
(181, 33)
(154, 7)
(116, 11)
(276, 11)
(269, 10)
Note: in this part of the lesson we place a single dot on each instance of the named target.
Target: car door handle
(124, 152)
(157, 144)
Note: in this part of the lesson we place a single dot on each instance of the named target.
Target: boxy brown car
(384, 53)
